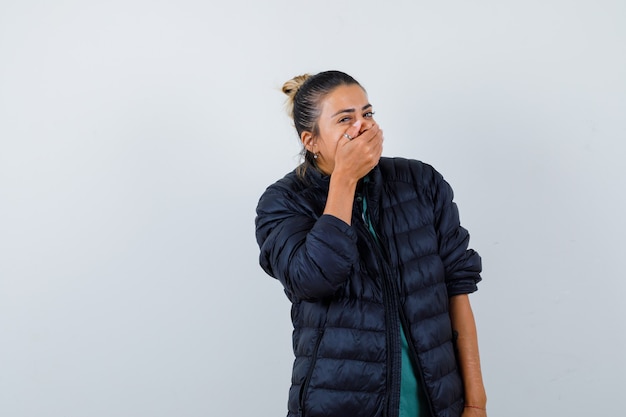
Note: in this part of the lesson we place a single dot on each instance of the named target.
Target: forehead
(344, 97)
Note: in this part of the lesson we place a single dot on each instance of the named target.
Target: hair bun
(292, 86)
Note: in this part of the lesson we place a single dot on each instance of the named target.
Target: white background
(136, 137)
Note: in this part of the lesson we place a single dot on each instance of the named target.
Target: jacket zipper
(393, 346)
(405, 323)
(391, 325)
(309, 374)
(392, 293)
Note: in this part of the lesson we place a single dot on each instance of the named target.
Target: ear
(308, 141)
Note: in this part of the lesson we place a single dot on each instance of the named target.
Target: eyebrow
(367, 106)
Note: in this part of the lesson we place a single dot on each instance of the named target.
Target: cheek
(330, 136)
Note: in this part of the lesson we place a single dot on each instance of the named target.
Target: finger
(353, 131)
(371, 133)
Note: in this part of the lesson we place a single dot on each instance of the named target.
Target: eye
(369, 114)
(344, 119)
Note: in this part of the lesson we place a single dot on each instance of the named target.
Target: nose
(366, 124)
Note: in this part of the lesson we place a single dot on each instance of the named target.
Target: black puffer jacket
(350, 294)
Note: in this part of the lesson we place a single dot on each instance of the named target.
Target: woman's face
(346, 107)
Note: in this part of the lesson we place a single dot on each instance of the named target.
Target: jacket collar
(371, 189)
(320, 180)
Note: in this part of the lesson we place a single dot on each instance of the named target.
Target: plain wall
(136, 137)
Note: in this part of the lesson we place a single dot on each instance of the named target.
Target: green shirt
(413, 402)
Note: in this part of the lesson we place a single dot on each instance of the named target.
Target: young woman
(372, 256)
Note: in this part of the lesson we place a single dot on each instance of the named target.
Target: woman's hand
(355, 157)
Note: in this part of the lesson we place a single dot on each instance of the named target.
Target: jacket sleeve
(462, 265)
(312, 257)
